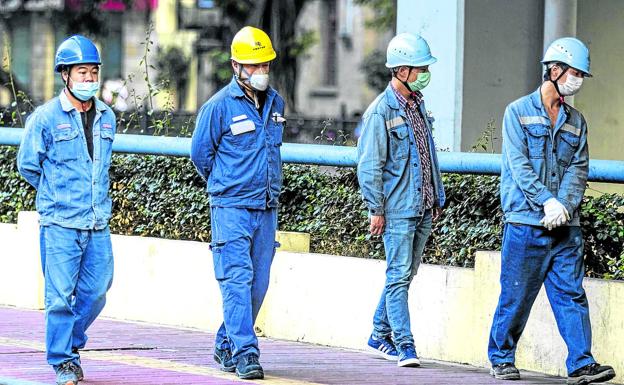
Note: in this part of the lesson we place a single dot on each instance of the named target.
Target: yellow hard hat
(252, 46)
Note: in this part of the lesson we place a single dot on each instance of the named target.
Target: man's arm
(32, 150)
(515, 151)
(574, 179)
(372, 154)
(206, 138)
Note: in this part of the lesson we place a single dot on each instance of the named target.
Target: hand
(377, 224)
(555, 214)
(436, 213)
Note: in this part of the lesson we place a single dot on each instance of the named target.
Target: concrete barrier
(320, 299)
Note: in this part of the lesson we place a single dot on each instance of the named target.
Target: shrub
(163, 197)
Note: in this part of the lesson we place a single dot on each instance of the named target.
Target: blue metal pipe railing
(610, 171)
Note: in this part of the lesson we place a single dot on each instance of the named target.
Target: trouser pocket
(218, 260)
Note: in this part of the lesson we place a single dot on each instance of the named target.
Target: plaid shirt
(417, 122)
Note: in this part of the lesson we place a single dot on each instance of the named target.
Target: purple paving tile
(285, 360)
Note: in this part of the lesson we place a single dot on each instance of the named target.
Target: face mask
(259, 82)
(571, 86)
(421, 81)
(85, 90)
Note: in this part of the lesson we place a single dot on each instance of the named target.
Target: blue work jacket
(72, 189)
(389, 163)
(540, 162)
(237, 151)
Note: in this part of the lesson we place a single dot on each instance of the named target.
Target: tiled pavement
(136, 353)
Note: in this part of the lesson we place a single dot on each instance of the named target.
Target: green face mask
(421, 81)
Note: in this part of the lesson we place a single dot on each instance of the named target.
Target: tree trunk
(278, 19)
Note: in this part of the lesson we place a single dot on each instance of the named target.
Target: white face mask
(571, 86)
(259, 82)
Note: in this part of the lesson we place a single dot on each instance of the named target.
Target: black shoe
(224, 358)
(78, 367)
(505, 371)
(591, 373)
(248, 367)
(66, 374)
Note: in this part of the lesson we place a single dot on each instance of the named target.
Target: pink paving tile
(287, 360)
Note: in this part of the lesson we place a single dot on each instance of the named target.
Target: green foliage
(158, 196)
(305, 40)
(602, 220)
(222, 72)
(172, 66)
(488, 139)
(163, 197)
(471, 221)
(327, 204)
(16, 194)
(385, 14)
(374, 66)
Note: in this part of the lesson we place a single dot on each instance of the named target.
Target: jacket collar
(536, 99)
(67, 106)
(391, 98)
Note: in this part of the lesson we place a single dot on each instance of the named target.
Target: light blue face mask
(85, 90)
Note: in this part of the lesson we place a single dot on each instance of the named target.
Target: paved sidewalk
(136, 353)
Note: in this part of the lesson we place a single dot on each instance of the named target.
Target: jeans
(243, 246)
(78, 270)
(532, 255)
(404, 242)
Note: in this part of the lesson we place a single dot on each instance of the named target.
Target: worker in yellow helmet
(236, 149)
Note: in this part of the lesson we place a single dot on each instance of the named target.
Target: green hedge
(164, 197)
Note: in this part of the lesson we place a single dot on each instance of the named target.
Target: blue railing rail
(610, 171)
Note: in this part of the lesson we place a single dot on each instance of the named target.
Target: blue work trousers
(404, 243)
(532, 255)
(243, 246)
(78, 270)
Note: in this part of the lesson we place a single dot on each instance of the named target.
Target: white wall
(441, 23)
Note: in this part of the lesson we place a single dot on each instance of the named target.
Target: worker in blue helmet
(400, 181)
(545, 163)
(65, 155)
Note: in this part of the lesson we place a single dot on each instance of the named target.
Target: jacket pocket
(399, 142)
(537, 136)
(243, 134)
(567, 146)
(67, 143)
(277, 133)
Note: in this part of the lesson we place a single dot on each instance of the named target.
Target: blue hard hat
(76, 50)
(406, 49)
(570, 51)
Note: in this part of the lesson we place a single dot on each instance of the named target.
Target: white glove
(555, 214)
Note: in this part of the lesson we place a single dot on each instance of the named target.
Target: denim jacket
(388, 161)
(72, 189)
(237, 151)
(540, 162)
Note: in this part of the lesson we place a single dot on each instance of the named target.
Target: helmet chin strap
(248, 87)
(404, 82)
(554, 82)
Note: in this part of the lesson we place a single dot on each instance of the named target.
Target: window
(21, 50)
(329, 36)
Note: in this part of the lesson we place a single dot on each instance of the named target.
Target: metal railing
(611, 171)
